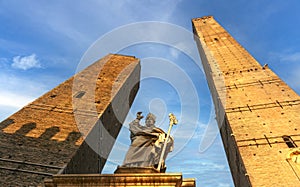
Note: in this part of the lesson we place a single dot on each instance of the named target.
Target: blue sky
(42, 42)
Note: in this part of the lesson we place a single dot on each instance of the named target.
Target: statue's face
(150, 122)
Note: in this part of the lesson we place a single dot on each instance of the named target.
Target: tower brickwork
(48, 136)
(257, 112)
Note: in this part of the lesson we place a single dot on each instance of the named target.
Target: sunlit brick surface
(259, 110)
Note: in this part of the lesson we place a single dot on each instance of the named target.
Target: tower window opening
(289, 141)
(54, 95)
(79, 94)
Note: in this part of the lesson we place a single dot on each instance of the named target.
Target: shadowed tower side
(257, 112)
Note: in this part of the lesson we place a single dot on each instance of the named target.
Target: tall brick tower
(257, 112)
(50, 135)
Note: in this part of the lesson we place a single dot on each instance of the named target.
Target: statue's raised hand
(139, 115)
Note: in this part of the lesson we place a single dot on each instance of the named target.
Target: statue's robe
(146, 145)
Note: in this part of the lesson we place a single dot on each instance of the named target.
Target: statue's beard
(150, 125)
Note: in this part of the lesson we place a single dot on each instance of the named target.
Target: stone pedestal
(121, 179)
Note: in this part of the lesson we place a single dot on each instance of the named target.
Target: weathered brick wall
(259, 109)
(43, 138)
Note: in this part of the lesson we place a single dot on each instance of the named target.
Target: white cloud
(17, 91)
(14, 100)
(6, 111)
(11, 102)
(26, 62)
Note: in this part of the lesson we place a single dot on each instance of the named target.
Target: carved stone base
(120, 179)
(122, 169)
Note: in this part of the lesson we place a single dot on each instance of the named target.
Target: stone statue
(146, 143)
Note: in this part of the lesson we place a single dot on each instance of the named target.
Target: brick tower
(257, 112)
(44, 139)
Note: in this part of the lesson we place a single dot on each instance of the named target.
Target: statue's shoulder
(135, 121)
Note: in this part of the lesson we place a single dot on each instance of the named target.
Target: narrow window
(79, 94)
(289, 141)
(52, 96)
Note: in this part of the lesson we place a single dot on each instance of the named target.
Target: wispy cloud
(286, 56)
(294, 78)
(11, 46)
(154, 9)
(291, 57)
(17, 91)
(11, 99)
(3, 62)
(26, 62)
(11, 102)
(286, 65)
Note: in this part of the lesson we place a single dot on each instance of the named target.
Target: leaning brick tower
(258, 114)
(51, 135)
